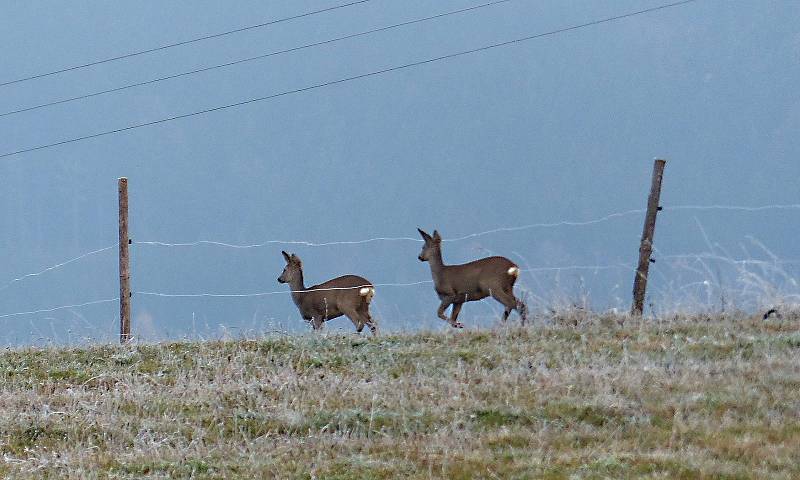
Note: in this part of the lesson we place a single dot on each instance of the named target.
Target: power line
(348, 79)
(250, 59)
(185, 42)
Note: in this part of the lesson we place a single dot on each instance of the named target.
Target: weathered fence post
(124, 265)
(646, 247)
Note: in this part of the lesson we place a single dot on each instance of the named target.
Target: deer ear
(425, 236)
(296, 259)
(436, 236)
(286, 256)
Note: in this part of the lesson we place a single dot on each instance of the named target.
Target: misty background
(560, 128)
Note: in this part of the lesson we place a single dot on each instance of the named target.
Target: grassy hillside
(679, 398)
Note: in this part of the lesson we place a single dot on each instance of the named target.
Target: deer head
(293, 270)
(433, 245)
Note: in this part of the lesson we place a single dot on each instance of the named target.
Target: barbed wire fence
(756, 275)
(697, 258)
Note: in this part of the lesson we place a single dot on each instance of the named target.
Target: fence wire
(698, 257)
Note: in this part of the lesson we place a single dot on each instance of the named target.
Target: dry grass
(676, 398)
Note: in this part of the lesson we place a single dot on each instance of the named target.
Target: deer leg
(454, 315)
(358, 318)
(355, 318)
(368, 319)
(442, 308)
(510, 301)
(372, 327)
(316, 322)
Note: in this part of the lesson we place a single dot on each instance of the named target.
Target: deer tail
(367, 292)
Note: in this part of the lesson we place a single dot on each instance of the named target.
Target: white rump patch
(513, 271)
(366, 291)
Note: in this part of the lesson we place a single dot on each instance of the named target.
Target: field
(577, 396)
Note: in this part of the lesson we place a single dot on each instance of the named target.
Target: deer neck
(298, 286)
(437, 266)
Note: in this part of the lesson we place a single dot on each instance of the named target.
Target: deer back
(484, 275)
(341, 292)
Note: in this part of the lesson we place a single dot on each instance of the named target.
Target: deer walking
(348, 295)
(457, 284)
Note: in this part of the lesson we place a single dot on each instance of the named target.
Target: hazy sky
(563, 127)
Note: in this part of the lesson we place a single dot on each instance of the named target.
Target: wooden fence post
(124, 265)
(646, 247)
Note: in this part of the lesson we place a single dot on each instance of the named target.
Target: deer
(348, 295)
(457, 284)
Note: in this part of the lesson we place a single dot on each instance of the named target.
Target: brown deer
(456, 284)
(347, 295)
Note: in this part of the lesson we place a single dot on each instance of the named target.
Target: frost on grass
(591, 397)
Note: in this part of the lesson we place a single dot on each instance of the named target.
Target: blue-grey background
(560, 128)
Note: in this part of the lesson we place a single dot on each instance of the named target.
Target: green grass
(713, 398)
